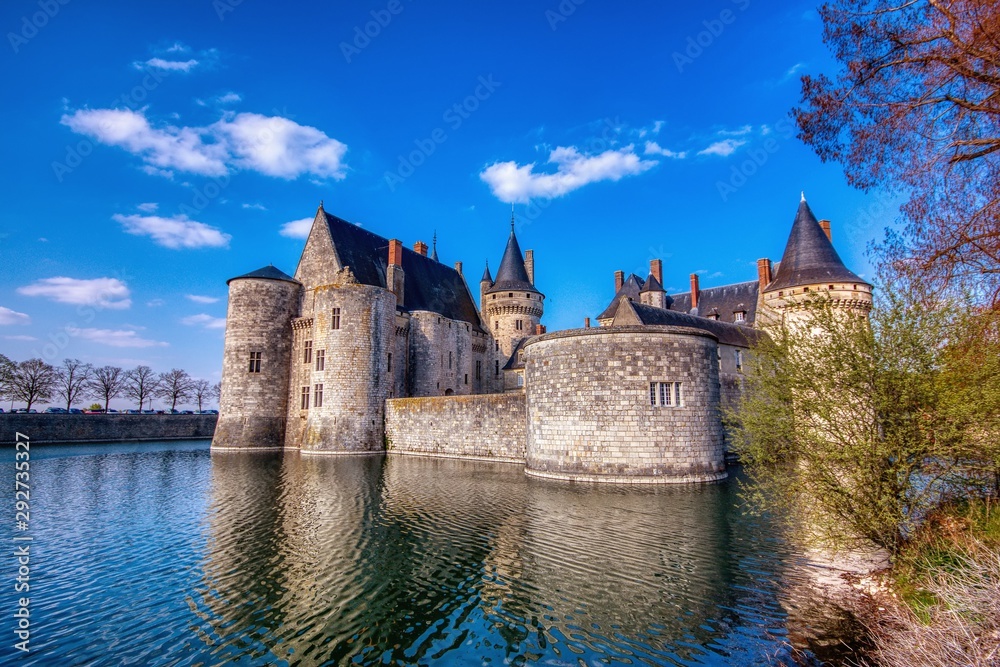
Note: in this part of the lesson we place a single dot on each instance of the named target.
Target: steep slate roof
(630, 288)
(266, 273)
(512, 275)
(809, 256)
(428, 285)
(725, 299)
(652, 285)
(515, 361)
(487, 278)
(729, 334)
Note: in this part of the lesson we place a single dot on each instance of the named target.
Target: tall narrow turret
(256, 360)
(512, 306)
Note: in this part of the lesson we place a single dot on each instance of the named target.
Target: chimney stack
(619, 280)
(539, 329)
(763, 273)
(420, 248)
(695, 291)
(394, 277)
(529, 265)
(458, 267)
(586, 323)
(825, 226)
(656, 268)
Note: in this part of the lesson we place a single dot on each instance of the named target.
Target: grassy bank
(946, 583)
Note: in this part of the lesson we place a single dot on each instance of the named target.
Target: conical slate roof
(809, 256)
(512, 275)
(487, 278)
(269, 272)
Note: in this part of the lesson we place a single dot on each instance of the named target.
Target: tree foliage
(916, 110)
(861, 428)
(201, 391)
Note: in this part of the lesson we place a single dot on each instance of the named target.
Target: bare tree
(33, 380)
(106, 383)
(71, 380)
(175, 386)
(201, 391)
(141, 383)
(915, 111)
(6, 374)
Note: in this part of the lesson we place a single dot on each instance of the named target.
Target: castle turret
(810, 266)
(652, 293)
(256, 360)
(485, 283)
(512, 307)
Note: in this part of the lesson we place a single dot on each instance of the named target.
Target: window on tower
(307, 354)
(255, 362)
(305, 398)
(317, 396)
(320, 360)
(335, 319)
(518, 325)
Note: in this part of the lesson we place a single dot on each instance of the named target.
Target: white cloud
(167, 65)
(512, 183)
(178, 47)
(114, 337)
(202, 299)
(100, 292)
(738, 132)
(148, 207)
(723, 148)
(255, 207)
(8, 316)
(20, 337)
(229, 98)
(155, 303)
(653, 148)
(176, 232)
(206, 321)
(792, 71)
(297, 229)
(271, 145)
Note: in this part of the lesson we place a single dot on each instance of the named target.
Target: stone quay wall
(488, 426)
(42, 428)
(590, 414)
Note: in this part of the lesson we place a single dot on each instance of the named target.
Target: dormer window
(740, 316)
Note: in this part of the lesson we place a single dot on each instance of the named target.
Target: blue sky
(155, 150)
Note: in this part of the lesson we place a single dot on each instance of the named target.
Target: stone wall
(41, 428)
(490, 426)
(590, 415)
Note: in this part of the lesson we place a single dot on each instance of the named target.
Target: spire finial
(803, 196)
(434, 250)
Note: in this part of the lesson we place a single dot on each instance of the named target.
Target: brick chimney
(763, 273)
(529, 264)
(394, 277)
(619, 280)
(825, 226)
(656, 268)
(695, 291)
(539, 329)
(586, 323)
(420, 248)
(458, 267)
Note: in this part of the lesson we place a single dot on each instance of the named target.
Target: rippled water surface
(164, 554)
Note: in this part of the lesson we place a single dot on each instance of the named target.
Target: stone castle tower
(511, 306)
(809, 266)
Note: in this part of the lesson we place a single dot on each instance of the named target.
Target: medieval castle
(374, 347)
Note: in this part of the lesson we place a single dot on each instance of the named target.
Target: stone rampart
(490, 426)
(42, 428)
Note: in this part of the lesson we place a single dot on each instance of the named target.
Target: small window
(664, 394)
(831, 286)
(520, 380)
(335, 319)
(496, 325)
(511, 295)
(518, 325)
(318, 396)
(449, 359)
(320, 360)
(498, 369)
(307, 355)
(479, 370)
(805, 289)
(739, 360)
(305, 398)
(781, 294)
(498, 345)
(255, 362)
(466, 378)
(388, 365)
(740, 316)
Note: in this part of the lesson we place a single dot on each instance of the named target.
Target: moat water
(164, 554)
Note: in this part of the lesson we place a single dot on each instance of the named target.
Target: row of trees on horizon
(34, 381)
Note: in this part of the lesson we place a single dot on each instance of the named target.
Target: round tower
(256, 360)
(810, 267)
(512, 307)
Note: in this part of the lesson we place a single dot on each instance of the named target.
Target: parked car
(149, 412)
(75, 411)
(1, 411)
(93, 412)
(113, 412)
(132, 412)
(187, 412)
(25, 411)
(172, 412)
(55, 411)
(209, 412)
